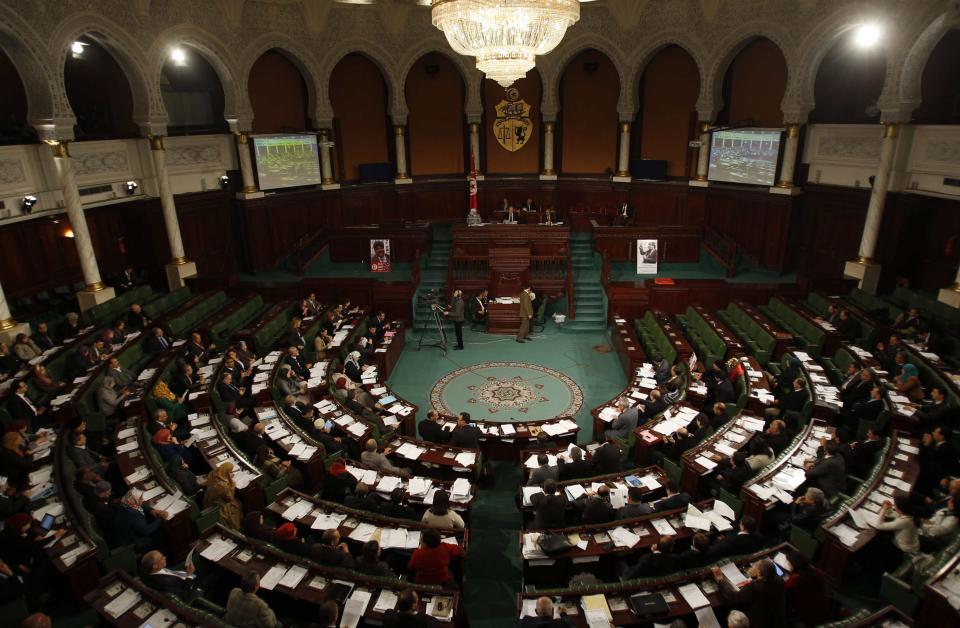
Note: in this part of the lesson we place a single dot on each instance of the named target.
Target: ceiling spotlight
(77, 49)
(178, 56)
(27, 203)
(866, 35)
(131, 187)
(224, 181)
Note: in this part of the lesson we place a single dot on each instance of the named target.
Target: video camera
(430, 298)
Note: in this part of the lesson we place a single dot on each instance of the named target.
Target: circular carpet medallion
(507, 391)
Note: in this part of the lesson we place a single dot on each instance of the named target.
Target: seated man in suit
(674, 499)
(196, 351)
(377, 460)
(42, 338)
(863, 453)
(856, 387)
(793, 401)
(746, 541)
(157, 342)
(848, 326)
(298, 364)
(597, 508)
(137, 320)
(929, 415)
(407, 613)
(331, 552)
(157, 576)
(868, 409)
(465, 435)
(544, 471)
(550, 508)
(545, 617)
(606, 458)
(510, 218)
(697, 555)
(778, 436)
(829, 473)
(577, 467)
(529, 205)
(431, 429)
(21, 407)
(661, 561)
(231, 393)
(654, 404)
(625, 423)
(624, 214)
(186, 381)
(635, 506)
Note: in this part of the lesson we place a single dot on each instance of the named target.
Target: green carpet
(493, 569)
(706, 268)
(323, 267)
(598, 375)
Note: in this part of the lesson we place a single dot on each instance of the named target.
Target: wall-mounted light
(27, 203)
(224, 181)
(68, 232)
(178, 56)
(867, 35)
(76, 49)
(131, 187)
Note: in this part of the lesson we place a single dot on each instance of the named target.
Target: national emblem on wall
(513, 127)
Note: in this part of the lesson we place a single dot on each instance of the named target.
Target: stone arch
(908, 89)
(556, 63)
(711, 85)
(472, 78)
(396, 105)
(300, 56)
(148, 109)
(236, 105)
(48, 109)
(640, 60)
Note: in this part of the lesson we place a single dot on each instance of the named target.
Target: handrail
(723, 248)
(415, 269)
(571, 296)
(307, 249)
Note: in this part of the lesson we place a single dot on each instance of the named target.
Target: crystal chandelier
(504, 35)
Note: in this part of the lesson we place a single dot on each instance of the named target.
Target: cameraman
(455, 313)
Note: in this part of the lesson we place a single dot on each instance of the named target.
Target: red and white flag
(473, 184)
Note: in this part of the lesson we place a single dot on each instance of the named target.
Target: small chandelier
(504, 35)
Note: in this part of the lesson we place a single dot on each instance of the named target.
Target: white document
(293, 576)
(272, 577)
(706, 618)
(386, 601)
(663, 527)
(693, 596)
(461, 486)
(466, 459)
(732, 573)
(123, 603)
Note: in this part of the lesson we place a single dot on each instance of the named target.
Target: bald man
(157, 576)
(545, 617)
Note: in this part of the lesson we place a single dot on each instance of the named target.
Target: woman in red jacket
(430, 563)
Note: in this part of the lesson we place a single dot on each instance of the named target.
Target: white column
(475, 147)
(785, 184)
(950, 296)
(326, 167)
(623, 162)
(703, 158)
(96, 291)
(246, 165)
(9, 328)
(864, 267)
(179, 267)
(400, 138)
(548, 172)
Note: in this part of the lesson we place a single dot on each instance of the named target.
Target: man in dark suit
(465, 435)
(746, 541)
(938, 459)
(550, 508)
(635, 506)
(660, 561)
(653, 404)
(296, 362)
(432, 430)
(231, 393)
(407, 614)
(455, 314)
(577, 467)
(195, 351)
(21, 407)
(157, 342)
(624, 214)
(331, 552)
(848, 326)
(625, 423)
(673, 499)
(829, 473)
(697, 555)
(778, 436)
(543, 472)
(606, 459)
(597, 508)
(863, 453)
(157, 576)
(545, 617)
(929, 415)
(137, 320)
(42, 338)
(529, 205)
(868, 409)
(186, 381)
(856, 390)
(793, 401)
(723, 392)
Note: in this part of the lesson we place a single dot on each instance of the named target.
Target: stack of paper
(466, 458)
(623, 537)
(461, 487)
(410, 451)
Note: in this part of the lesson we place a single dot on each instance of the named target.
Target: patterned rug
(507, 391)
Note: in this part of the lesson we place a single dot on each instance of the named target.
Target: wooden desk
(836, 554)
(503, 318)
(499, 444)
(937, 609)
(117, 582)
(625, 343)
(542, 239)
(733, 434)
(437, 461)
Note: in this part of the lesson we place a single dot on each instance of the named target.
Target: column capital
(59, 148)
(153, 127)
(156, 142)
(8, 323)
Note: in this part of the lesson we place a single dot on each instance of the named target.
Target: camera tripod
(441, 340)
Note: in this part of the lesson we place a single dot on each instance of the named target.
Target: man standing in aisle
(455, 312)
(526, 314)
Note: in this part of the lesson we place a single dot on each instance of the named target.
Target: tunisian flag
(473, 184)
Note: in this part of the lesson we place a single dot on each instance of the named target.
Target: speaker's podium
(509, 273)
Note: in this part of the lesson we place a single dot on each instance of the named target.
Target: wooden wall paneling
(628, 299)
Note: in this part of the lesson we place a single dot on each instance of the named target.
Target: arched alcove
(589, 91)
(434, 91)
(13, 105)
(192, 94)
(278, 94)
(940, 84)
(753, 86)
(99, 92)
(525, 160)
(358, 94)
(849, 82)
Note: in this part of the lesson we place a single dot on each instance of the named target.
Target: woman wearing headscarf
(342, 385)
(168, 401)
(134, 524)
(352, 367)
(221, 491)
(254, 527)
(338, 483)
(908, 382)
(168, 446)
(286, 539)
(179, 471)
(276, 468)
